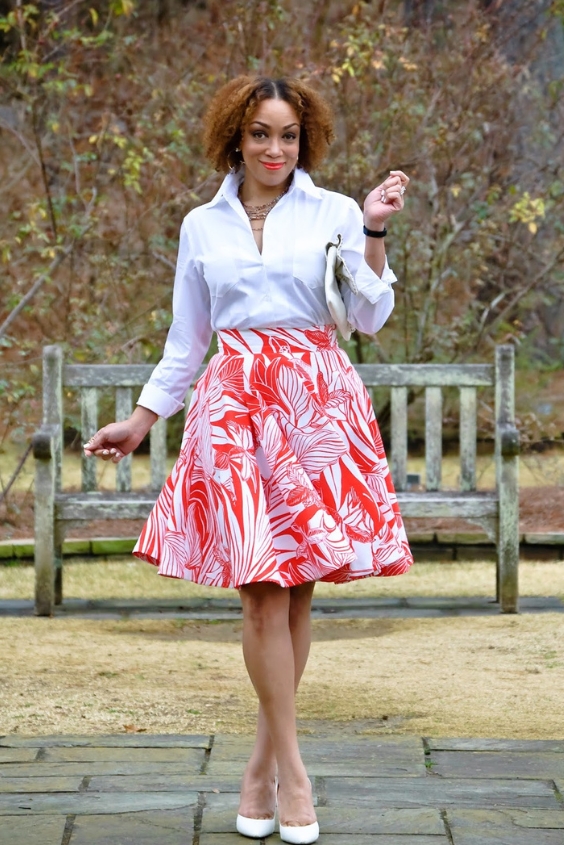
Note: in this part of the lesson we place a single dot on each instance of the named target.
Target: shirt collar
(229, 188)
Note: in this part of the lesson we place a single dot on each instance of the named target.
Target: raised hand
(386, 199)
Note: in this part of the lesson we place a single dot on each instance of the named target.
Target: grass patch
(129, 578)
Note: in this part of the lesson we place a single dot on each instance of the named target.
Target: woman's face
(271, 143)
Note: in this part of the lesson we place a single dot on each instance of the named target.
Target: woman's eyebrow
(267, 125)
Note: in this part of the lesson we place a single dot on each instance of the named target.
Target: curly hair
(233, 106)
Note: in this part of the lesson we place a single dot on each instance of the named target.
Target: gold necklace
(260, 212)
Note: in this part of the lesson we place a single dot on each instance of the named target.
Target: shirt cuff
(370, 284)
(158, 401)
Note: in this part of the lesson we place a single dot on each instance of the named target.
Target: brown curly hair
(233, 106)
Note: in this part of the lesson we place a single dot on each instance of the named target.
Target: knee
(264, 606)
(300, 605)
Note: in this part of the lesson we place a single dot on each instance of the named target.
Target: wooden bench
(496, 511)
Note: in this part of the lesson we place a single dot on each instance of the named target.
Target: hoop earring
(234, 163)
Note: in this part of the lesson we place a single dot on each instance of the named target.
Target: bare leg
(276, 638)
(257, 788)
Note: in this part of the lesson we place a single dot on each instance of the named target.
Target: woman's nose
(274, 147)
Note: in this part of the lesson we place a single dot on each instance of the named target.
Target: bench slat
(89, 427)
(124, 407)
(73, 506)
(449, 504)
(158, 454)
(433, 437)
(398, 457)
(427, 375)
(386, 375)
(109, 375)
(468, 438)
(76, 506)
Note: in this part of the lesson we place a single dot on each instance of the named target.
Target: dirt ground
(499, 676)
(488, 677)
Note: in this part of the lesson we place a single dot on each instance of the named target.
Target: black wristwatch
(370, 234)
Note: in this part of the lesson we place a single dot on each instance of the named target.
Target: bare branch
(34, 288)
(164, 260)
(16, 472)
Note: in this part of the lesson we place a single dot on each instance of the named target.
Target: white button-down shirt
(223, 282)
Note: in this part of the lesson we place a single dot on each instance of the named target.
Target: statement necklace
(260, 212)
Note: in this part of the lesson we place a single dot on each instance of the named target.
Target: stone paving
(370, 790)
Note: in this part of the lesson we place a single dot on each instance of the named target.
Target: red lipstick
(272, 165)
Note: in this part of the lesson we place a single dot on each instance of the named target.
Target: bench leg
(58, 585)
(58, 563)
(44, 537)
(508, 541)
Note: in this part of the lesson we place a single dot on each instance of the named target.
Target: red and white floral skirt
(282, 474)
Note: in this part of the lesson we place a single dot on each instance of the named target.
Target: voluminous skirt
(282, 474)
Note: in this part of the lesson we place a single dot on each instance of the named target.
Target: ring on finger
(402, 190)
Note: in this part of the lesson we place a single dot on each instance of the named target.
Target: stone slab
(469, 538)
(545, 539)
(495, 764)
(220, 811)
(76, 547)
(482, 827)
(328, 839)
(159, 782)
(93, 803)
(511, 745)
(31, 830)
(437, 792)
(116, 771)
(191, 758)
(23, 548)
(40, 784)
(112, 546)
(110, 741)
(416, 537)
(407, 822)
(17, 755)
(370, 756)
(169, 827)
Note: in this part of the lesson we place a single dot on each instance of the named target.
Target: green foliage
(100, 119)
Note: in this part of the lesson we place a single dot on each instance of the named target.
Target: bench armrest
(510, 443)
(45, 442)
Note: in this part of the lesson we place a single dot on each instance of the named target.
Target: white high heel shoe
(257, 828)
(302, 834)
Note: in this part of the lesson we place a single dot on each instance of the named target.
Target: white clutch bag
(337, 274)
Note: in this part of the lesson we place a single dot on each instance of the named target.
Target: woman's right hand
(116, 440)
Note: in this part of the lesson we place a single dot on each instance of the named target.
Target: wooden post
(89, 426)
(124, 407)
(468, 438)
(398, 457)
(507, 474)
(158, 454)
(433, 437)
(48, 470)
(44, 447)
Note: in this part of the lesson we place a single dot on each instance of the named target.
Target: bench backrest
(125, 378)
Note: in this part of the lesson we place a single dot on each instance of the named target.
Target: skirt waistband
(276, 341)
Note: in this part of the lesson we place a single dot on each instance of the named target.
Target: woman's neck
(253, 192)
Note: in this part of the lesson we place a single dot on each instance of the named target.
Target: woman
(282, 478)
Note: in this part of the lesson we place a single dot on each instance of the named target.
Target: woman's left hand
(385, 200)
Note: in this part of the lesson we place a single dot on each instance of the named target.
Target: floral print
(282, 474)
